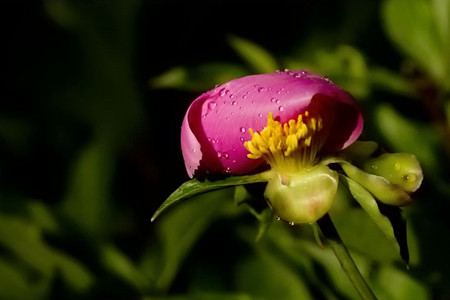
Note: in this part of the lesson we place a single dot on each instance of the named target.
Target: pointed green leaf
(390, 223)
(194, 187)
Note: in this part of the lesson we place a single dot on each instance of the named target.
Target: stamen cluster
(287, 147)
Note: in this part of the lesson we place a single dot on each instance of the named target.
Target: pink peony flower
(218, 124)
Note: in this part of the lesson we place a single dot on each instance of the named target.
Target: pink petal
(217, 122)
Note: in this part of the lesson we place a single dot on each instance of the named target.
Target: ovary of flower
(287, 147)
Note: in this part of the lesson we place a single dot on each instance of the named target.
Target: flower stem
(348, 265)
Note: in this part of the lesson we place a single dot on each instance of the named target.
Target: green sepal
(378, 186)
(195, 187)
(387, 218)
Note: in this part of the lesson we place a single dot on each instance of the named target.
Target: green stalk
(348, 265)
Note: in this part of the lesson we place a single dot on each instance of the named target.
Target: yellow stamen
(288, 147)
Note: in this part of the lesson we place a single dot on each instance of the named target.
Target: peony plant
(297, 132)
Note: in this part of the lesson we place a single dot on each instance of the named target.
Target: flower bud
(401, 169)
(303, 197)
(378, 186)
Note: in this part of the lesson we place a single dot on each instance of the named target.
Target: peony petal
(220, 119)
(190, 147)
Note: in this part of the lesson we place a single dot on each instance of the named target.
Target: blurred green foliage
(89, 129)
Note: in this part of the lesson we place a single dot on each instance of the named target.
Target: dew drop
(219, 154)
(232, 96)
(227, 170)
(223, 93)
(242, 129)
(261, 89)
(233, 103)
(225, 155)
(260, 115)
(244, 97)
(281, 108)
(194, 150)
(273, 100)
(278, 101)
(253, 102)
(242, 139)
(278, 218)
(291, 223)
(212, 105)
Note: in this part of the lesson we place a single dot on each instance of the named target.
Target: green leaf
(194, 187)
(180, 228)
(254, 55)
(75, 275)
(119, 264)
(265, 276)
(86, 202)
(362, 235)
(198, 78)
(392, 226)
(396, 284)
(420, 29)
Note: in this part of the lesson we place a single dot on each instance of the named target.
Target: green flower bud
(402, 169)
(302, 197)
(378, 186)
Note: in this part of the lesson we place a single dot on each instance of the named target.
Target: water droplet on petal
(232, 96)
(281, 108)
(278, 101)
(261, 89)
(242, 129)
(242, 139)
(212, 105)
(225, 155)
(223, 92)
(228, 170)
(278, 218)
(260, 115)
(219, 154)
(273, 100)
(291, 223)
(233, 103)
